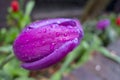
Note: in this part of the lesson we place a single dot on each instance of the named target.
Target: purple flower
(103, 24)
(44, 43)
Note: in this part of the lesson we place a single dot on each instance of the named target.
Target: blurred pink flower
(103, 24)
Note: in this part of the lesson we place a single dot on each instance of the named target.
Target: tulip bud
(103, 24)
(118, 21)
(44, 43)
(15, 6)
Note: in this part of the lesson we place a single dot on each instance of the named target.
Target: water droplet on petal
(43, 42)
(57, 34)
(54, 25)
(51, 26)
(27, 40)
(39, 31)
(65, 34)
(76, 40)
(53, 43)
(70, 27)
(52, 46)
(44, 30)
(33, 44)
(63, 39)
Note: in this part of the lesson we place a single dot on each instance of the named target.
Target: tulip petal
(53, 58)
(44, 43)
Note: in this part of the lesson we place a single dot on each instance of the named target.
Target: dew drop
(76, 40)
(54, 25)
(70, 27)
(80, 31)
(65, 34)
(29, 27)
(51, 26)
(52, 46)
(63, 39)
(27, 40)
(44, 30)
(43, 42)
(57, 34)
(53, 43)
(33, 44)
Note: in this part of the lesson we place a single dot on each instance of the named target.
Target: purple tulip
(103, 24)
(44, 43)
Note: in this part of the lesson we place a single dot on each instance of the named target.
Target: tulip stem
(109, 55)
(9, 58)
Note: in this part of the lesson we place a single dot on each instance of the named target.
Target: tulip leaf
(29, 7)
(5, 76)
(106, 53)
(111, 34)
(25, 20)
(11, 35)
(74, 54)
(6, 49)
(56, 76)
(24, 78)
(15, 70)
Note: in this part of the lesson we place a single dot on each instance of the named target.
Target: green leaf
(84, 58)
(111, 34)
(3, 31)
(11, 35)
(6, 49)
(14, 69)
(24, 78)
(96, 43)
(71, 57)
(29, 7)
(6, 60)
(106, 53)
(56, 76)
(25, 20)
(4, 76)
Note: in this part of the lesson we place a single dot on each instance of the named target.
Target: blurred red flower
(118, 21)
(15, 6)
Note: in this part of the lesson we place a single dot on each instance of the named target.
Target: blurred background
(97, 57)
(56, 8)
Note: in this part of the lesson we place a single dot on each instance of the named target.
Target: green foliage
(14, 70)
(29, 8)
(107, 54)
(9, 66)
